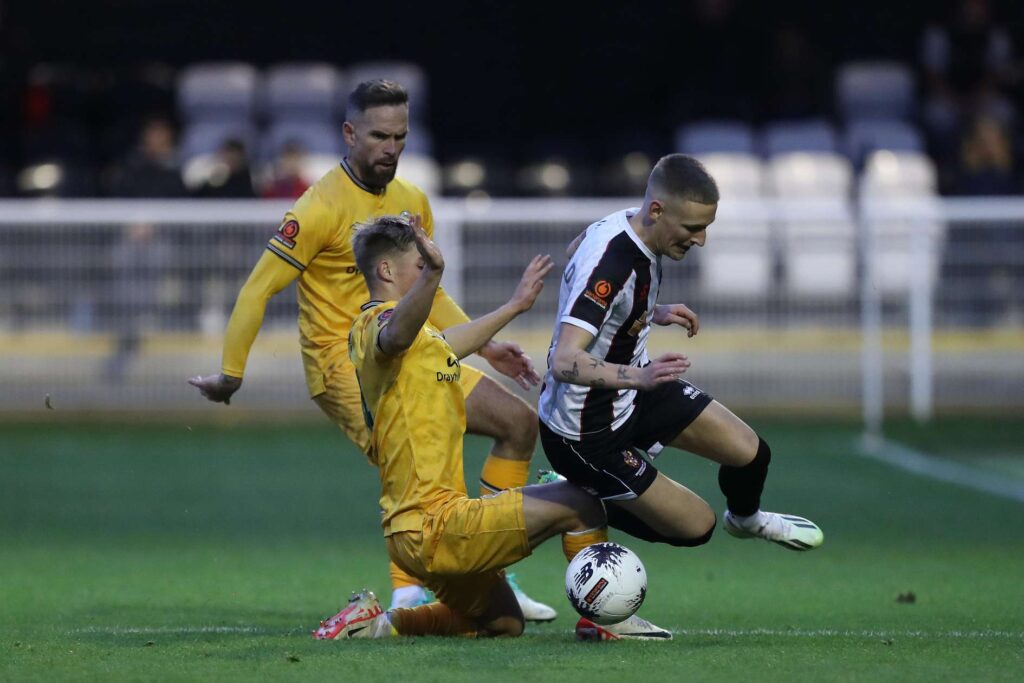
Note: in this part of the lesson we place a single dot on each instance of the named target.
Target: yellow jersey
(416, 412)
(314, 244)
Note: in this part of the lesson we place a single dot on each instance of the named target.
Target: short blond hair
(684, 177)
(376, 239)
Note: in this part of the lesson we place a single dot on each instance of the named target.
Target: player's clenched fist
(217, 388)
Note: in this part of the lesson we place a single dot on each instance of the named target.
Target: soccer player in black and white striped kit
(606, 409)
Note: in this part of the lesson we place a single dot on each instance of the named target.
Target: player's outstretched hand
(677, 314)
(509, 359)
(665, 368)
(432, 257)
(531, 283)
(217, 388)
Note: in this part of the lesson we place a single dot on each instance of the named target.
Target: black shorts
(607, 463)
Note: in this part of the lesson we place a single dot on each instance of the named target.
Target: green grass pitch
(205, 553)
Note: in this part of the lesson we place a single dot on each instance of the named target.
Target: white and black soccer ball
(606, 583)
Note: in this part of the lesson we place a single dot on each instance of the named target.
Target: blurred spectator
(286, 181)
(152, 171)
(986, 253)
(230, 177)
(966, 61)
(986, 160)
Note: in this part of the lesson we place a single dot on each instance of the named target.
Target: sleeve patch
(287, 233)
(599, 293)
(384, 317)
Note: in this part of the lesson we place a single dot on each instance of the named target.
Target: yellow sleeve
(269, 277)
(305, 231)
(445, 312)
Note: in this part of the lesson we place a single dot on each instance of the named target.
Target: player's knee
(693, 542)
(593, 515)
(520, 428)
(515, 628)
(695, 530)
(585, 511)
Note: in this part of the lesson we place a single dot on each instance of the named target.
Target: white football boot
(789, 531)
(362, 617)
(532, 609)
(633, 628)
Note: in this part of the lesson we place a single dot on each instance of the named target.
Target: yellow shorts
(464, 547)
(332, 383)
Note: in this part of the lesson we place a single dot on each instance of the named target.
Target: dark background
(512, 78)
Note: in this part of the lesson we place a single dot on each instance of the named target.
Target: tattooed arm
(571, 363)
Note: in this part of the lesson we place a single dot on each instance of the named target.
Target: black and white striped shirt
(609, 288)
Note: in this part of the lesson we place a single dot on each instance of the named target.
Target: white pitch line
(726, 632)
(914, 461)
(176, 630)
(847, 633)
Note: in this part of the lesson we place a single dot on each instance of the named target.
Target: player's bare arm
(570, 250)
(676, 314)
(571, 363)
(413, 309)
(469, 337)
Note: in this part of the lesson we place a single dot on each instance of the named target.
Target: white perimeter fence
(806, 306)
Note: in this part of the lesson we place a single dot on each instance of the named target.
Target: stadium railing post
(872, 356)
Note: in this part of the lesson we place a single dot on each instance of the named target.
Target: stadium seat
(408, 75)
(738, 263)
(875, 90)
(314, 137)
(905, 181)
(737, 175)
(303, 92)
(898, 174)
(222, 91)
(819, 250)
(715, 136)
(207, 137)
(800, 175)
(866, 136)
(815, 135)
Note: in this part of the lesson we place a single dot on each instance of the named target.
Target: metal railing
(824, 305)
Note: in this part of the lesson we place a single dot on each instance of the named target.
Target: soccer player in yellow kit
(409, 373)
(313, 244)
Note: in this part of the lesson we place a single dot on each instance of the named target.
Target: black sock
(742, 486)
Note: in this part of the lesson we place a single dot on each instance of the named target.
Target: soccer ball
(606, 583)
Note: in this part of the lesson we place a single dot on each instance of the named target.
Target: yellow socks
(499, 474)
(435, 619)
(575, 541)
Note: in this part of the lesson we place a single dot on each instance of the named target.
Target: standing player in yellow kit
(314, 245)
